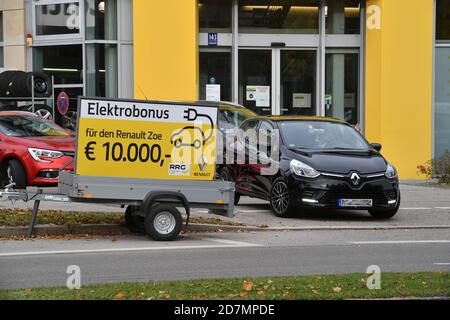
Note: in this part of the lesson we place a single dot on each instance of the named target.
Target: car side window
(265, 132)
(251, 124)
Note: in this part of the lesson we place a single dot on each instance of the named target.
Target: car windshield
(319, 135)
(29, 126)
(231, 119)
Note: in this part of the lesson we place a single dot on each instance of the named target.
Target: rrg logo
(179, 169)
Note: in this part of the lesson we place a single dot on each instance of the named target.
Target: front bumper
(46, 173)
(325, 192)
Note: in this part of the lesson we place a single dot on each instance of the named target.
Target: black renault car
(322, 163)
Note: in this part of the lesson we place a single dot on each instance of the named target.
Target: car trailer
(152, 205)
(138, 170)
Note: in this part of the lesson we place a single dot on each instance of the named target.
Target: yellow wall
(399, 83)
(165, 49)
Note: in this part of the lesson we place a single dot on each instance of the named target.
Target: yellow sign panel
(146, 140)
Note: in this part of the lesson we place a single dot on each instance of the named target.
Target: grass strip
(350, 286)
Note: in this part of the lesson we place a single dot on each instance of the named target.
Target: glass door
(278, 81)
(297, 85)
(255, 80)
(342, 85)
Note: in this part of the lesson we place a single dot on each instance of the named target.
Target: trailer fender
(156, 196)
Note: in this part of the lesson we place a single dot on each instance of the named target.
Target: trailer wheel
(134, 222)
(163, 222)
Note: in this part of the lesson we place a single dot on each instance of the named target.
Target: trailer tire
(163, 222)
(134, 223)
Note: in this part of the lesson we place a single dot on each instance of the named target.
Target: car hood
(343, 162)
(59, 143)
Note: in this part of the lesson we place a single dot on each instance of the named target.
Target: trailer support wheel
(163, 222)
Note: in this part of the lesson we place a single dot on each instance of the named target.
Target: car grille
(332, 197)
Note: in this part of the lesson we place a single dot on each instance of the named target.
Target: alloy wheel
(280, 197)
(43, 113)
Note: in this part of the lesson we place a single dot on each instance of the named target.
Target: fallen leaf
(119, 296)
(243, 293)
(337, 289)
(285, 294)
(248, 285)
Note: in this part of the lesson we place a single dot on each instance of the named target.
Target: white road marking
(236, 243)
(226, 244)
(400, 242)
(443, 208)
(442, 263)
(419, 208)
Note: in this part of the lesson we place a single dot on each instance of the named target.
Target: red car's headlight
(42, 155)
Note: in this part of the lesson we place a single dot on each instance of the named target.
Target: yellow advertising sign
(140, 139)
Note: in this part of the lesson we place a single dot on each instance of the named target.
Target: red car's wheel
(16, 173)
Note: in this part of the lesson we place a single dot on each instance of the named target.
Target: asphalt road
(421, 206)
(220, 255)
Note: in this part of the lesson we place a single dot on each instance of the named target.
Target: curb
(121, 229)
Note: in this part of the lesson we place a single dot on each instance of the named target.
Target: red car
(32, 150)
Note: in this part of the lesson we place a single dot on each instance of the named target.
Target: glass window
(298, 82)
(321, 135)
(1, 57)
(343, 17)
(1, 26)
(443, 19)
(29, 126)
(214, 15)
(442, 103)
(255, 80)
(101, 70)
(101, 19)
(341, 86)
(232, 117)
(271, 16)
(215, 68)
(65, 62)
(62, 18)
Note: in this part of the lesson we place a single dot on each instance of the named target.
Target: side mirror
(376, 146)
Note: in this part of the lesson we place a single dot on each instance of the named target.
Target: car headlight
(390, 171)
(39, 154)
(303, 170)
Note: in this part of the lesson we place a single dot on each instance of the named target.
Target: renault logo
(202, 163)
(355, 178)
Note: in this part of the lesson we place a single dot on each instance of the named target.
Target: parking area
(423, 206)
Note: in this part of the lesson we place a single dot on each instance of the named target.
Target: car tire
(163, 222)
(226, 175)
(280, 199)
(134, 223)
(15, 172)
(385, 213)
(43, 111)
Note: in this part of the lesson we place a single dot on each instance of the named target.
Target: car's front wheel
(280, 199)
(15, 173)
(385, 213)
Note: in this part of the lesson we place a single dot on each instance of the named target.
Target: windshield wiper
(341, 149)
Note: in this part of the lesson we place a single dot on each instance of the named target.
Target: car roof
(221, 103)
(300, 118)
(17, 113)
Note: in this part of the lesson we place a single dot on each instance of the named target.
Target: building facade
(381, 63)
